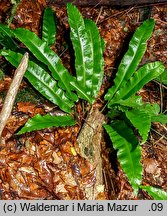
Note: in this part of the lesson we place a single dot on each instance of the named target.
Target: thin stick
(161, 92)
(159, 133)
(11, 94)
(160, 84)
(99, 14)
(161, 96)
(116, 14)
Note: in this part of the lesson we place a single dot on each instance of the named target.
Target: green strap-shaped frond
(138, 80)
(41, 81)
(6, 37)
(136, 102)
(133, 56)
(40, 122)
(162, 118)
(88, 47)
(49, 27)
(128, 151)
(47, 56)
(156, 193)
(82, 47)
(97, 57)
(141, 120)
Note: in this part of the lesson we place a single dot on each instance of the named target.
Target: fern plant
(46, 72)
(126, 111)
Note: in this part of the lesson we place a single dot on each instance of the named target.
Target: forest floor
(40, 164)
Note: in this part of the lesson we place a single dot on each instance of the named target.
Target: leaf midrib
(53, 69)
(136, 53)
(132, 164)
(57, 95)
(84, 75)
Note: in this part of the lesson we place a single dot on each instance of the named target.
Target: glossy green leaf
(47, 56)
(156, 193)
(97, 56)
(81, 92)
(151, 109)
(163, 78)
(141, 120)
(49, 27)
(88, 47)
(103, 45)
(6, 38)
(162, 118)
(40, 122)
(41, 81)
(128, 151)
(82, 47)
(138, 80)
(133, 56)
(134, 101)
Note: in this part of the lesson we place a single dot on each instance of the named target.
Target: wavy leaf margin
(156, 193)
(132, 57)
(39, 122)
(42, 81)
(49, 27)
(47, 56)
(128, 151)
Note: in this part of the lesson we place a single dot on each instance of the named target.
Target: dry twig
(11, 94)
